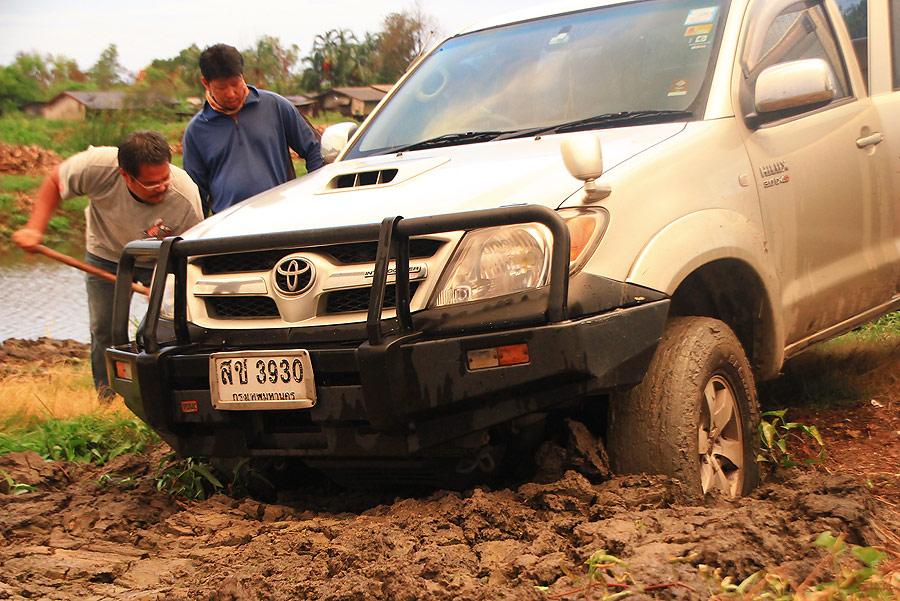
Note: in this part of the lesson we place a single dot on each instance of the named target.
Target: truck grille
(357, 299)
(263, 307)
(242, 307)
(348, 254)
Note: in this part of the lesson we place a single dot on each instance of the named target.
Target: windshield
(649, 59)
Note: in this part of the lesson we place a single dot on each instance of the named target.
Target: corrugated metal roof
(366, 94)
(97, 100)
(300, 99)
(108, 100)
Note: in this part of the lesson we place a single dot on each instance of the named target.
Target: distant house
(307, 105)
(356, 103)
(76, 105)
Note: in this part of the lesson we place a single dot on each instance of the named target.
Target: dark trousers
(100, 306)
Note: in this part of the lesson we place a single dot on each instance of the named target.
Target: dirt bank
(76, 539)
(107, 533)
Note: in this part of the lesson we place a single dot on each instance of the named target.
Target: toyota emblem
(293, 276)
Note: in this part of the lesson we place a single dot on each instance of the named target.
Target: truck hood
(427, 182)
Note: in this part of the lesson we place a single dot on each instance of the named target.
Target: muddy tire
(695, 415)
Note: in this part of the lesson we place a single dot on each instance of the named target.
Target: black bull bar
(605, 340)
(393, 236)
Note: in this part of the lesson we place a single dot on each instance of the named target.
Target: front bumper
(400, 387)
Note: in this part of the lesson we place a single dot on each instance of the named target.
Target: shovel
(57, 256)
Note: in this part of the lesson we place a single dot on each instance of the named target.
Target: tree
(183, 71)
(403, 37)
(270, 65)
(17, 87)
(34, 65)
(855, 17)
(332, 61)
(107, 71)
(339, 58)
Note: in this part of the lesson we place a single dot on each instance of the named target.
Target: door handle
(870, 140)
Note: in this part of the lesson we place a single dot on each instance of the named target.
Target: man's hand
(27, 238)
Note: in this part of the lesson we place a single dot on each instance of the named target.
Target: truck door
(815, 169)
(878, 47)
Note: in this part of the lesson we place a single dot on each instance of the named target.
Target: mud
(108, 533)
(83, 536)
(25, 159)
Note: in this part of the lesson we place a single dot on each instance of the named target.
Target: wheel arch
(714, 263)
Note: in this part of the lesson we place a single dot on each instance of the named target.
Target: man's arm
(48, 199)
(192, 162)
(300, 135)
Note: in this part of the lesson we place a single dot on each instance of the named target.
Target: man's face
(151, 183)
(227, 91)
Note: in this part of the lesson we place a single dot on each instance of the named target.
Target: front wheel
(695, 415)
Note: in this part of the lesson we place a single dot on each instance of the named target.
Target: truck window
(800, 31)
(895, 42)
(855, 17)
(644, 56)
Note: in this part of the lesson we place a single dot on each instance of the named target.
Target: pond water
(39, 297)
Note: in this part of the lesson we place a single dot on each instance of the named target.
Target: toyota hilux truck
(631, 210)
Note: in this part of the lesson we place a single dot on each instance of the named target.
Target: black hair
(143, 147)
(221, 61)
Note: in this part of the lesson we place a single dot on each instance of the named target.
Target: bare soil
(24, 159)
(76, 538)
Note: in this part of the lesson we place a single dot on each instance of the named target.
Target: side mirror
(583, 158)
(335, 138)
(794, 85)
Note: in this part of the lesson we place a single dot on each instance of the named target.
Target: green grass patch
(885, 327)
(86, 438)
(20, 183)
(7, 203)
(74, 205)
(59, 224)
(328, 118)
(69, 137)
(17, 129)
(836, 373)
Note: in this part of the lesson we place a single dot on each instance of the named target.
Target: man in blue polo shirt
(238, 145)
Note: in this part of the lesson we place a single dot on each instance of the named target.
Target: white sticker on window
(699, 16)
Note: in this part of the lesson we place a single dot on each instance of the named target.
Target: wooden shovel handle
(58, 256)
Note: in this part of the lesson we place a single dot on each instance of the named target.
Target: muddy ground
(75, 538)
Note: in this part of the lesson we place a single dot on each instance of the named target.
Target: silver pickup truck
(627, 211)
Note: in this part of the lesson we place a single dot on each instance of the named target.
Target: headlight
(495, 261)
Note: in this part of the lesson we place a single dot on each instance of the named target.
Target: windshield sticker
(699, 42)
(693, 30)
(679, 87)
(699, 16)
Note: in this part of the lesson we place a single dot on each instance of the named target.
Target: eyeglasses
(157, 187)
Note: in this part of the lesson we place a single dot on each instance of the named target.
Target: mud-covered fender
(699, 238)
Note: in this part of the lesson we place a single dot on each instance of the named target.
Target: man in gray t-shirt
(134, 192)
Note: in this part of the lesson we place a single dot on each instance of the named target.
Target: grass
(53, 411)
(68, 137)
(17, 129)
(33, 393)
(20, 183)
(841, 371)
(847, 572)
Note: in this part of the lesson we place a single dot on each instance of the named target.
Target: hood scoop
(362, 179)
(390, 173)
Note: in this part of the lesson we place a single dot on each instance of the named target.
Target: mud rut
(78, 540)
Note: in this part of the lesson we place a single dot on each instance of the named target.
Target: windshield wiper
(597, 121)
(600, 121)
(470, 137)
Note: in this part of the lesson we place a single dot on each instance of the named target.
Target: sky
(82, 29)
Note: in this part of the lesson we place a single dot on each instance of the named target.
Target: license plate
(261, 380)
